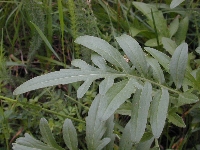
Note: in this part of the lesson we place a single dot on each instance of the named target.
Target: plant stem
(43, 109)
(155, 83)
(76, 101)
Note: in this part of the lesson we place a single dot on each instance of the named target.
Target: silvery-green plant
(141, 82)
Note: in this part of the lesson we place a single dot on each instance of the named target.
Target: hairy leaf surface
(178, 64)
(169, 45)
(126, 140)
(29, 143)
(162, 58)
(140, 109)
(159, 107)
(116, 96)
(47, 135)
(64, 76)
(157, 71)
(95, 127)
(104, 49)
(134, 52)
(70, 135)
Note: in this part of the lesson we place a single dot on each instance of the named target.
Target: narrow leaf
(84, 88)
(104, 49)
(125, 141)
(116, 96)
(47, 135)
(175, 3)
(105, 85)
(140, 109)
(176, 120)
(28, 142)
(180, 35)
(134, 52)
(145, 145)
(187, 98)
(178, 64)
(159, 107)
(82, 65)
(99, 61)
(95, 127)
(64, 76)
(153, 42)
(109, 132)
(45, 40)
(70, 135)
(162, 58)
(157, 71)
(103, 143)
(160, 21)
(173, 27)
(169, 45)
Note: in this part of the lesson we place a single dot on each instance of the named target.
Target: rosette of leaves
(140, 81)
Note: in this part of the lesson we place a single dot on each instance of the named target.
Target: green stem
(155, 83)
(43, 109)
(76, 101)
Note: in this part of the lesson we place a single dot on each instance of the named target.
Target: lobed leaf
(28, 142)
(178, 64)
(47, 135)
(134, 52)
(104, 49)
(95, 127)
(70, 135)
(140, 109)
(159, 107)
(64, 76)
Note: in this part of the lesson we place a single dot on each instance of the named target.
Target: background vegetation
(37, 37)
